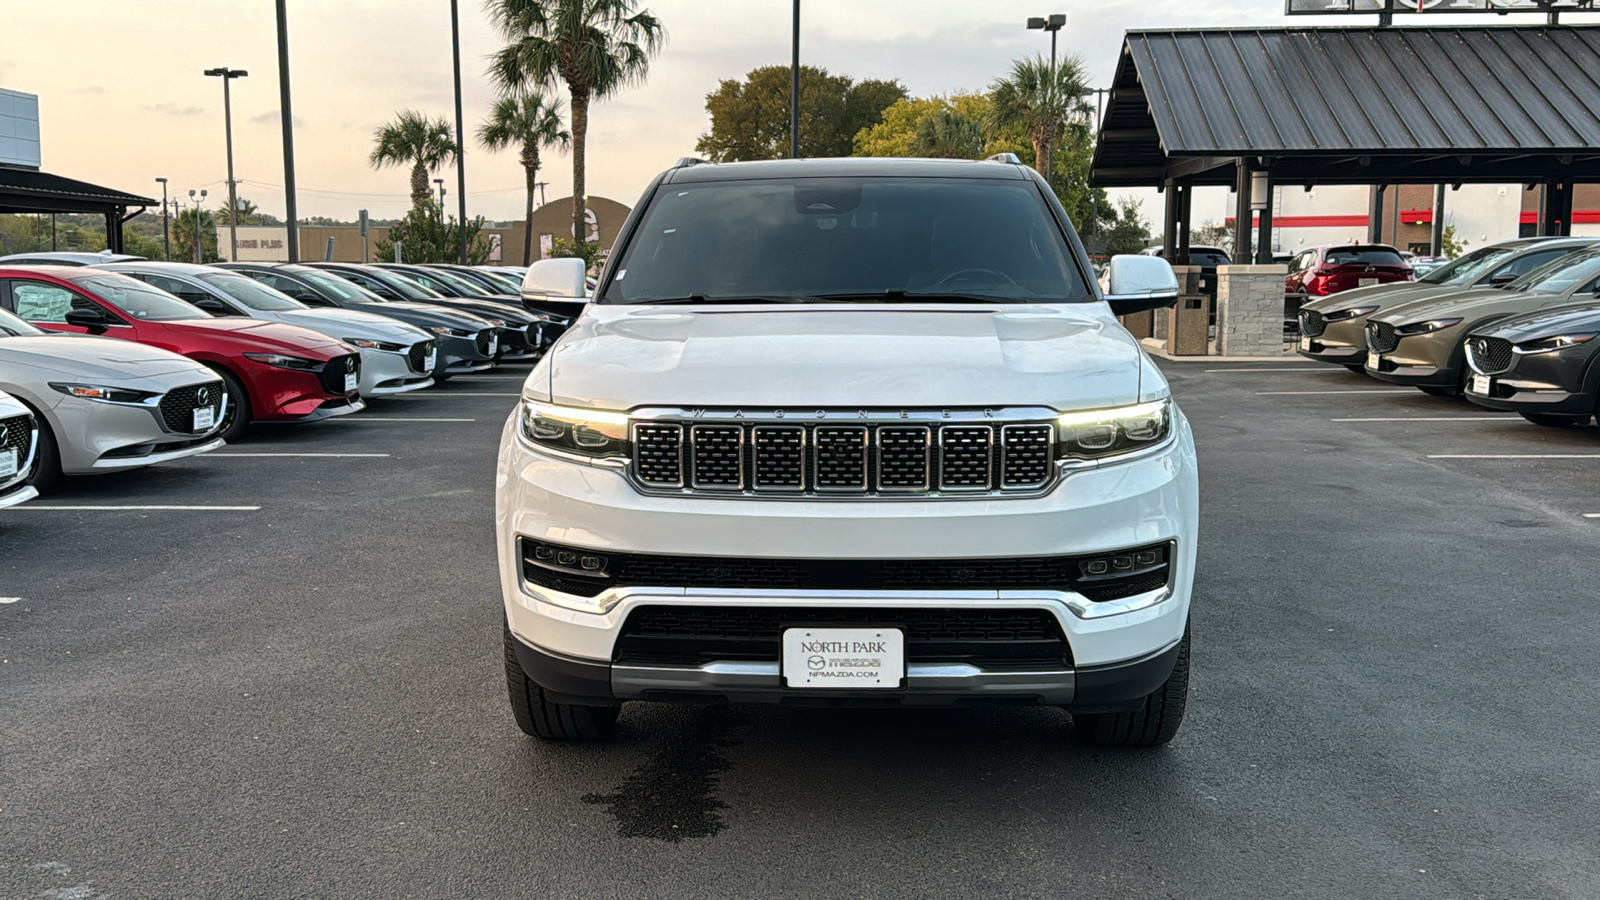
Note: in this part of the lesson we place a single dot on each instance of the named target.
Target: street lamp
(794, 88)
(166, 236)
(198, 240)
(227, 75)
(1051, 24)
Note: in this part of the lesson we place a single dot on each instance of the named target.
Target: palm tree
(415, 140)
(1029, 99)
(949, 133)
(247, 212)
(597, 47)
(534, 121)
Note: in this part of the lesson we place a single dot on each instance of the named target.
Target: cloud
(274, 117)
(95, 89)
(173, 109)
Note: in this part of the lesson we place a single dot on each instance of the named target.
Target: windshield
(1560, 276)
(11, 326)
(807, 239)
(140, 300)
(1469, 268)
(459, 283)
(250, 292)
(402, 285)
(1362, 256)
(334, 286)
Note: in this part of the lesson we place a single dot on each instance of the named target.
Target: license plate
(351, 381)
(1374, 360)
(1305, 343)
(205, 417)
(1366, 282)
(494, 345)
(844, 658)
(429, 361)
(1480, 384)
(8, 463)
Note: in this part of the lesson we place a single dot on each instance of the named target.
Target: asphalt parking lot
(294, 689)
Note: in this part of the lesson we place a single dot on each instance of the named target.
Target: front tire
(47, 475)
(1549, 420)
(239, 413)
(1440, 391)
(542, 718)
(1154, 723)
(1356, 368)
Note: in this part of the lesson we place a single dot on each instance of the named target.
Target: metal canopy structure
(1372, 106)
(31, 191)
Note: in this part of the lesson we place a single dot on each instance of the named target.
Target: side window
(1530, 262)
(371, 284)
(38, 302)
(293, 288)
(180, 289)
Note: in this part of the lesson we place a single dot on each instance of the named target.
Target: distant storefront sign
(258, 243)
(495, 240)
(547, 243)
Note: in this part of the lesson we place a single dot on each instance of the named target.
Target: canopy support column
(1244, 221)
(1555, 208)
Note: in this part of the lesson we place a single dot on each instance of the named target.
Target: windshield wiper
(896, 295)
(702, 298)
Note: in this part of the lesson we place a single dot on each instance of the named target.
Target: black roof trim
(30, 190)
(845, 167)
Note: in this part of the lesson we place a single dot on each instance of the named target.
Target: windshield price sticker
(205, 417)
(8, 463)
(844, 658)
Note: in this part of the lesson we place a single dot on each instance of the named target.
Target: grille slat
(966, 460)
(1491, 355)
(780, 457)
(1027, 454)
(905, 456)
(178, 405)
(658, 454)
(841, 457)
(717, 457)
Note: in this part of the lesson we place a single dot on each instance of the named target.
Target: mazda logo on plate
(816, 662)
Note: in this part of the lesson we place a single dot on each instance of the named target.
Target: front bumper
(1423, 360)
(103, 437)
(17, 493)
(387, 372)
(1129, 504)
(460, 356)
(1561, 383)
(1342, 342)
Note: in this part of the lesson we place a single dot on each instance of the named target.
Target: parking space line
(1484, 418)
(1514, 456)
(299, 455)
(398, 419)
(10, 599)
(1276, 369)
(106, 508)
(1345, 391)
(1591, 515)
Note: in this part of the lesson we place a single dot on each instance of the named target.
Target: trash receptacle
(1140, 324)
(1188, 323)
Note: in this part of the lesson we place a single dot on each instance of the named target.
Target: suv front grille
(1106, 576)
(334, 371)
(179, 404)
(417, 356)
(1311, 323)
(815, 459)
(1490, 355)
(1381, 337)
(987, 638)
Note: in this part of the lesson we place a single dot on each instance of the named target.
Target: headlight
(365, 344)
(1099, 433)
(586, 432)
(284, 362)
(104, 394)
(1557, 342)
(1427, 327)
(1354, 312)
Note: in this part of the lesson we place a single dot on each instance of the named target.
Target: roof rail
(685, 161)
(1004, 158)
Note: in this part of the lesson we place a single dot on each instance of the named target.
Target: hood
(253, 334)
(1060, 356)
(1578, 318)
(487, 309)
(91, 358)
(1466, 305)
(430, 313)
(343, 323)
(1379, 295)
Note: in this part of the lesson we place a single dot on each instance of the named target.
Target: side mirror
(1502, 279)
(92, 319)
(1134, 284)
(555, 278)
(212, 305)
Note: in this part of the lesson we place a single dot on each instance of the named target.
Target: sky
(123, 100)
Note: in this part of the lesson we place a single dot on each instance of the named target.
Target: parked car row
(1511, 326)
(122, 363)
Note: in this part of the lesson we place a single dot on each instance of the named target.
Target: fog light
(544, 553)
(1122, 562)
(1097, 567)
(567, 558)
(591, 562)
(1145, 557)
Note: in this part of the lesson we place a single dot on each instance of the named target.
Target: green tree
(596, 47)
(424, 235)
(750, 118)
(249, 214)
(1041, 106)
(532, 121)
(414, 140)
(1126, 231)
(896, 133)
(1449, 245)
(948, 133)
(588, 251)
(184, 235)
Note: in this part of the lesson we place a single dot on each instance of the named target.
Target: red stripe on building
(1587, 216)
(1311, 221)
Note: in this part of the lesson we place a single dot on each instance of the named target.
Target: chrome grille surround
(1490, 355)
(845, 454)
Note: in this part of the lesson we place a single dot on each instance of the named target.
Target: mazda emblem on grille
(202, 397)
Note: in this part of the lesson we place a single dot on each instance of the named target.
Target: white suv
(850, 432)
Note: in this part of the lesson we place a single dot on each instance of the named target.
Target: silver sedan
(19, 443)
(105, 405)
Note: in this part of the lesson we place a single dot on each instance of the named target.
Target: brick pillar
(1250, 310)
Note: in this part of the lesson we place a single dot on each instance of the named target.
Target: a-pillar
(1555, 208)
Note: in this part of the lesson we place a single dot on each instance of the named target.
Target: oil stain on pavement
(672, 797)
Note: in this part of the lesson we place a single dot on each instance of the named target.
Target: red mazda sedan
(274, 372)
(1321, 271)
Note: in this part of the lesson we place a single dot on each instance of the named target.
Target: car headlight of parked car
(1101, 433)
(104, 394)
(284, 362)
(1555, 342)
(1353, 312)
(585, 432)
(1427, 327)
(365, 344)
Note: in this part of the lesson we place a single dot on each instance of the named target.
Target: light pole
(461, 143)
(1051, 24)
(794, 88)
(199, 240)
(288, 132)
(227, 75)
(166, 236)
